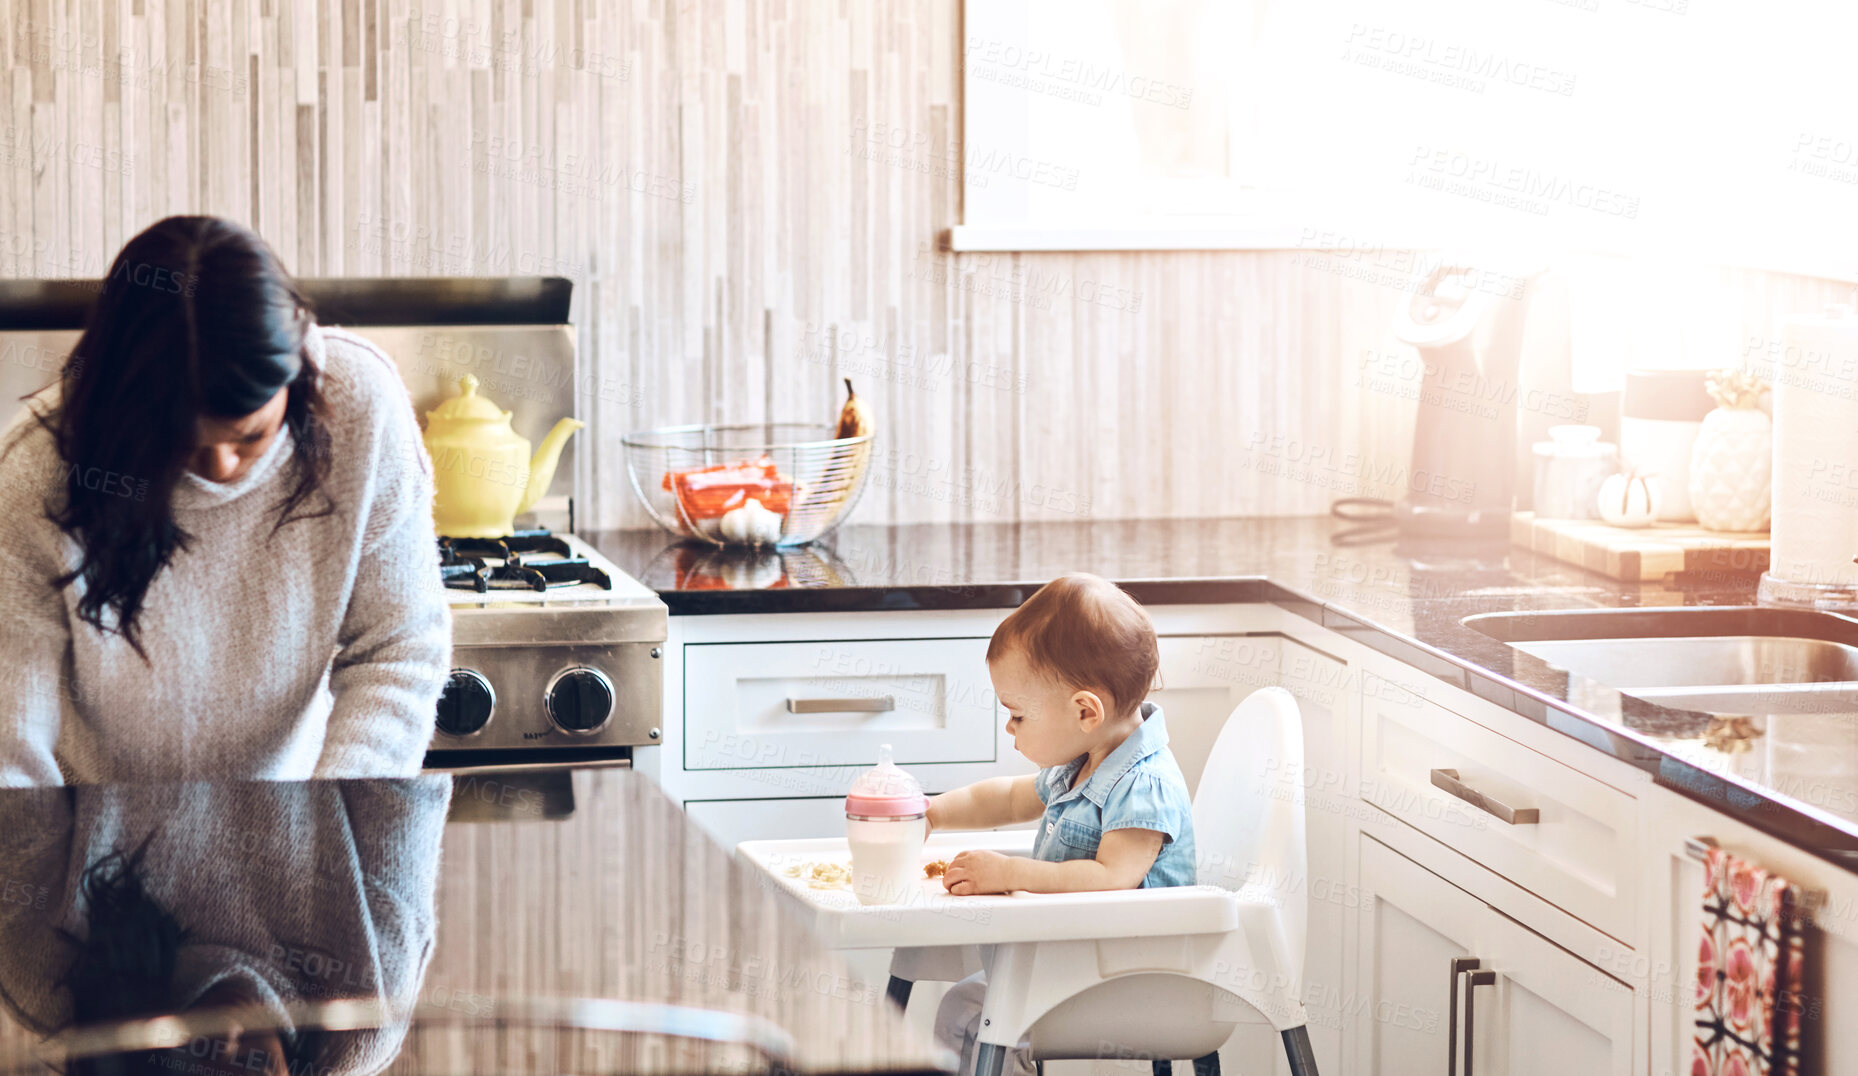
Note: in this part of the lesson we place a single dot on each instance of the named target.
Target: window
(1700, 128)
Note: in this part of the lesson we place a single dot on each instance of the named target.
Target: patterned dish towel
(1750, 965)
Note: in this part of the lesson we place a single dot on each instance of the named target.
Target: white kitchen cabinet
(1548, 1013)
(1318, 681)
(1412, 925)
(1446, 981)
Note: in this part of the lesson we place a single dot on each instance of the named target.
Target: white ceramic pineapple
(1732, 462)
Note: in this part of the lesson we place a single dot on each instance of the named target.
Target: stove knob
(466, 704)
(580, 701)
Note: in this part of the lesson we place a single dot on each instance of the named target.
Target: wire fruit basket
(777, 484)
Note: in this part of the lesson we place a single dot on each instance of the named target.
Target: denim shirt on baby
(1139, 786)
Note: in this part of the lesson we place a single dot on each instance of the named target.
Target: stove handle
(878, 704)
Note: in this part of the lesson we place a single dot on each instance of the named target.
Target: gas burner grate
(465, 574)
(527, 560)
(508, 547)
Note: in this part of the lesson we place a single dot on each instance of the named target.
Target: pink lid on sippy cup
(884, 791)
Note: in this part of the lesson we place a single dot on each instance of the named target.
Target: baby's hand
(972, 873)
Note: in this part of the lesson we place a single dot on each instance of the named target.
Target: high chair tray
(932, 916)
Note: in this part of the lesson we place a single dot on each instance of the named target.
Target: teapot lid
(467, 404)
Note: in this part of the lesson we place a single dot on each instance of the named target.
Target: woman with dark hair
(218, 539)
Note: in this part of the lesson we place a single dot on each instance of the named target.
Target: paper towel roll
(1815, 378)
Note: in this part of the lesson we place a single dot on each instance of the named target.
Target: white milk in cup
(886, 822)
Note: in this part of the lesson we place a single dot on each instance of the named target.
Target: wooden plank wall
(748, 194)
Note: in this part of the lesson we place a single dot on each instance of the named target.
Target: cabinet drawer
(833, 703)
(1577, 854)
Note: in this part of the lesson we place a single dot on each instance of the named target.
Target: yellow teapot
(483, 476)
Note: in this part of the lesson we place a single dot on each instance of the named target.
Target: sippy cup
(886, 821)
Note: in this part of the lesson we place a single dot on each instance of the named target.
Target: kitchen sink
(1717, 660)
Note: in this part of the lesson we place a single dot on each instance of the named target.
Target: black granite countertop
(1794, 775)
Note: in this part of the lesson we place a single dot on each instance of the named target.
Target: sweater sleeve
(394, 647)
(398, 829)
(34, 632)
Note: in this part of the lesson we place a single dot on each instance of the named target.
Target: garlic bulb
(1630, 500)
(751, 524)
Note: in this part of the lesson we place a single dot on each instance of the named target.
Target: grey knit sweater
(318, 650)
(298, 892)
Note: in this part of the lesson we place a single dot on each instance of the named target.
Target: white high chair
(1101, 993)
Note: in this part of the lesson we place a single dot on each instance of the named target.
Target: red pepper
(709, 492)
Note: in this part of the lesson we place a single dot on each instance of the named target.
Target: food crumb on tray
(821, 875)
(935, 869)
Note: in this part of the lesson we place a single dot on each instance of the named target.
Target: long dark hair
(123, 968)
(197, 319)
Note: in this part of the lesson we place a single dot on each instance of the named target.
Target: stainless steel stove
(557, 653)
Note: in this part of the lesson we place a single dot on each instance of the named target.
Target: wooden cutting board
(1644, 553)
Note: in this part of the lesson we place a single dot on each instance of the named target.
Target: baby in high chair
(1072, 666)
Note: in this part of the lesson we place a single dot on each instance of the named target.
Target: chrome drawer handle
(878, 705)
(1459, 965)
(1472, 981)
(1502, 812)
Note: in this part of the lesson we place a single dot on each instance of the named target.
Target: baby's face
(1040, 716)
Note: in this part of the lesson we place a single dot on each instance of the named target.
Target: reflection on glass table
(234, 903)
